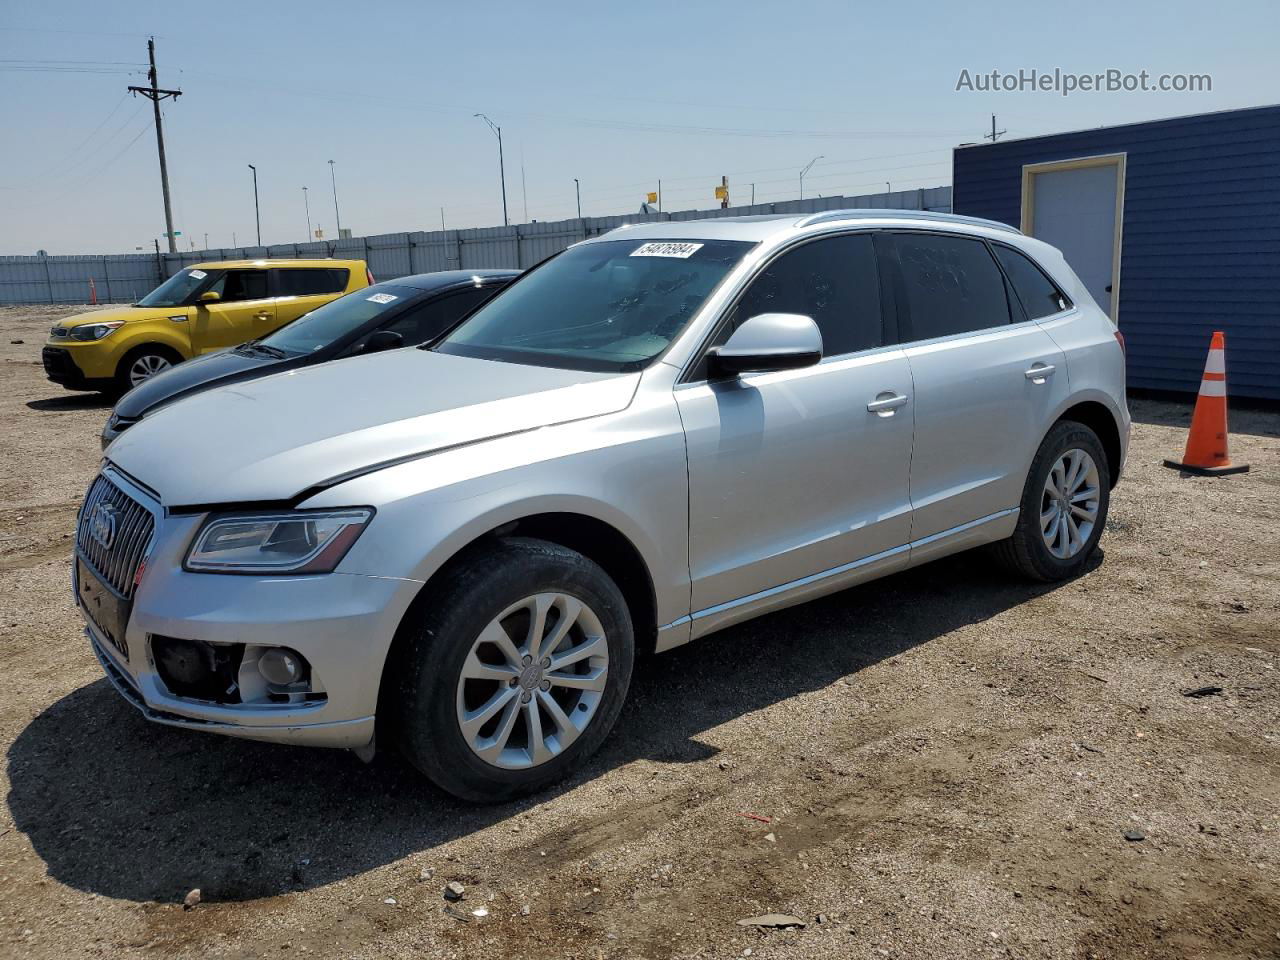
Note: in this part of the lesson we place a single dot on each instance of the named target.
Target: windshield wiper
(256, 346)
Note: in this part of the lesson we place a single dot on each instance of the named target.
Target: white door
(1076, 206)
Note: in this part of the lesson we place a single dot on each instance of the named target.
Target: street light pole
(502, 169)
(806, 170)
(256, 218)
(577, 190)
(307, 204)
(336, 217)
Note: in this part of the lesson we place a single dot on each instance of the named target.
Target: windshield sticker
(198, 274)
(682, 251)
(382, 298)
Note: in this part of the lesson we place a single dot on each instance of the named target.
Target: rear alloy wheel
(1063, 508)
(511, 672)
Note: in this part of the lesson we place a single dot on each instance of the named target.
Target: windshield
(337, 318)
(175, 291)
(609, 306)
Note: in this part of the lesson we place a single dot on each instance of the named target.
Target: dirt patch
(946, 763)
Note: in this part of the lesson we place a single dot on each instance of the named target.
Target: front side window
(952, 285)
(834, 281)
(177, 290)
(310, 281)
(431, 319)
(338, 318)
(1040, 296)
(236, 285)
(611, 306)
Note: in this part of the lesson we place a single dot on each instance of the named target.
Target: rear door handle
(886, 403)
(1040, 372)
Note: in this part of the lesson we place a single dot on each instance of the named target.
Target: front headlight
(96, 331)
(301, 541)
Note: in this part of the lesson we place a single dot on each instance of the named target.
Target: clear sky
(618, 95)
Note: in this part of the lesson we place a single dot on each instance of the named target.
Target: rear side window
(952, 285)
(834, 281)
(235, 285)
(307, 282)
(1040, 296)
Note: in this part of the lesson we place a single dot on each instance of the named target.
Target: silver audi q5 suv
(657, 433)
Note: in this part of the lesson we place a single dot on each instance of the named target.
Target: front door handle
(262, 316)
(886, 403)
(1040, 372)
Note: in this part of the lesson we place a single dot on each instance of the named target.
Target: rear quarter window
(1040, 296)
(310, 281)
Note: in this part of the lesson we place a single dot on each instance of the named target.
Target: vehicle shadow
(73, 401)
(123, 808)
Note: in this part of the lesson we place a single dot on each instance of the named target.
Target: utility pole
(155, 95)
(442, 226)
(307, 204)
(659, 196)
(724, 196)
(753, 194)
(502, 169)
(995, 134)
(336, 217)
(256, 218)
(888, 187)
(577, 190)
(806, 170)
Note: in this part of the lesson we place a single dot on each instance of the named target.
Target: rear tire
(474, 703)
(1063, 508)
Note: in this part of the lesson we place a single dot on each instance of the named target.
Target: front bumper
(342, 624)
(60, 366)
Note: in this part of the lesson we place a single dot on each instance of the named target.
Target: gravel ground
(940, 764)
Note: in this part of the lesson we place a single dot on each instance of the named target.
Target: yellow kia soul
(200, 309)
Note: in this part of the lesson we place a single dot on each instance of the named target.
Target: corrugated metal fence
(124, 278)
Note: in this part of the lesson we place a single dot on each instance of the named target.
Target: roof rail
(865, 214)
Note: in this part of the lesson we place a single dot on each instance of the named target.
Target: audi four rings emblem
(102, 525)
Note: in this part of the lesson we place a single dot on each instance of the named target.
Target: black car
(397, 313)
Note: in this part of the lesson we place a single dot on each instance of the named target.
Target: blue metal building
(1173, 225)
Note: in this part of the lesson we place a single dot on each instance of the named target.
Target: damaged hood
(271, 439)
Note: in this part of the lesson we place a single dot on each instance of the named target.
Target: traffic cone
(1206, 453)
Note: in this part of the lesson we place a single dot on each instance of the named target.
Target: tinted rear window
(306, 282)
(952, 285)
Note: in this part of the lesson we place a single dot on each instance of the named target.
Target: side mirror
(383, 340)
(210, 296)
(768, 341)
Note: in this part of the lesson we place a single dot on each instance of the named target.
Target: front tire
(1063, 508)
(141, 364)
(514, 671)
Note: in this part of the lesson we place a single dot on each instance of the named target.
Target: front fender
(626, 470)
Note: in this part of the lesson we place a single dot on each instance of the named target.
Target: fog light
(281, 666)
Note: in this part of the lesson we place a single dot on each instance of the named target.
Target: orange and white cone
(1206, 452)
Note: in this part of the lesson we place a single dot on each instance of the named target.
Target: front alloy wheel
(511, 670)
(146, 366)
(533, 681)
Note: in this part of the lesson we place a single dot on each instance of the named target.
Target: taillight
(368, 275)
(1120, 340)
